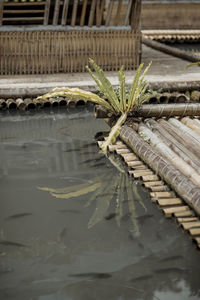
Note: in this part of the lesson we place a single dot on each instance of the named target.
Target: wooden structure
(59, 36)
(165, 14)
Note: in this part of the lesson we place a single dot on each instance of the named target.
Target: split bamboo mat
(162, 194)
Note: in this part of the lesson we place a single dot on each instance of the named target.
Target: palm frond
(106, 87)
(131, 97)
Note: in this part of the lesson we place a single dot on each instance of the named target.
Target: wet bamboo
(191, 124)
(158, 110)
(184, 187)
(165, 151)
(178, 135)
(176, 146)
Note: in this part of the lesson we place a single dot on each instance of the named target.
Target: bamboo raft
(161, 193)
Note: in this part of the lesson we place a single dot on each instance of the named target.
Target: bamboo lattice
(55, 48)
(47, 52)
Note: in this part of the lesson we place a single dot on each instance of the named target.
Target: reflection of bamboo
(181, 184)
(131, 206)
(102, 204)
(119, 204)
(165, 151)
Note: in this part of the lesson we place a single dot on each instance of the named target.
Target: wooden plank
(128, 11)
(122, 151)
(187, 219)
(194, 231)
(117, 16)
(74, 13)
(92, 12)
(99, 12)
(149, 184)
(189, 225)
(65, 12)
(24, 3)
(134, 163)
(46, 12)
(159, 195)
(150, 178)
(169, 201)
(172, 210)
(110, 8)
(128, 157)
(24, 19)
(56, 12)
(139, 173)
(182, 214)
(1, 11)
(159, 188)
(83, 12)
(23, 11)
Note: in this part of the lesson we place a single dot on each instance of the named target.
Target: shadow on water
(73, 225)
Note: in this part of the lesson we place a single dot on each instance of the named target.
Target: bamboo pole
(159, 110)
(184, 187)
(169, 50)
(176, 146)
(108, 17)
(92, 12)
(83, 12)
(165, 151)
(191, 124)
(186, 131)
(178, 135)
(74, 13)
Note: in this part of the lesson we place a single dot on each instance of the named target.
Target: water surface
(76, 247)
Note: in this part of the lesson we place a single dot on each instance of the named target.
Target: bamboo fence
(54, 48)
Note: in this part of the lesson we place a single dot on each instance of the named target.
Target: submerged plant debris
(119, 188)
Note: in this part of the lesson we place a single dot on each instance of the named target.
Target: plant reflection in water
(119, 188)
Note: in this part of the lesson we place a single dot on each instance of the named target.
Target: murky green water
(101, 244)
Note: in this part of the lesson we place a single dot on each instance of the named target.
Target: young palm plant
(116, 105)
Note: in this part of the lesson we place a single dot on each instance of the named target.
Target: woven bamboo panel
(47, 52)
